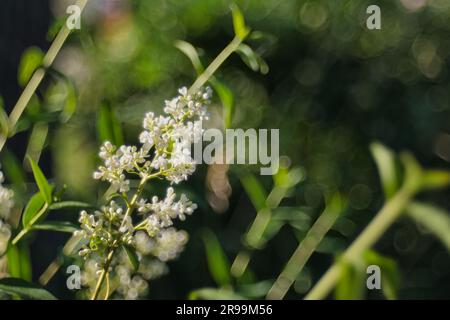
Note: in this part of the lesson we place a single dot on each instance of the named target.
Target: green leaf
(30, 61)
(255, 290)
(19, 264)
(132, 256)
(59, 226)
(214, 294)
(70, 205)
(436, 179)
(12, 168)
(33, 207)
(240, 29)
(255, 190)
(108, 127)
(390, 276)
(24, 289)
(41, 181)
(331, 245)
(218, 263)
(434, 219)
(189, 50)
(413, 176)
(252, 59)
(71, 102)
(386, 164)
(227, 98)
(351, 283)
(4, 120)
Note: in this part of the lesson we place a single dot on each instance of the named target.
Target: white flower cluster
(160, 214)
(166, 142)
(105, 229)
(6, 204)
(165, 153)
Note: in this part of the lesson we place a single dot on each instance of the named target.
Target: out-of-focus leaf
(413, 176)
(24, 289)
(344, 226)
(12, 168)
(4, 120)
(240, 29)
(434, 219)
(108, 127)
(33, 207)
(390, 276)
(272, 229)
(36, 142)
(71, 102)
(435, 179)
(351, 283)
(386, 164)
(218, 264)
(214, 294)
(41, 181)
(19, 264)
(227, 99)
(254, 190)
(297, 217)
(189, 50)
(70, 205)
(331, 245)
(255, 290)
(30, 61)
(25, 261)
(132, 256)
(60, 226)
(252, 59)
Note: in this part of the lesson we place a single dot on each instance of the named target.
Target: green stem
(377, 227)
(217, 62)
(38, 75)
(25, 230)
(305, 249)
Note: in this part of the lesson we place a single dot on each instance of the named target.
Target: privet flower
(165, 153)
(6, 204)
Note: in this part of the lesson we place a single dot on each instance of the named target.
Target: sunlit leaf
(24, 289)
